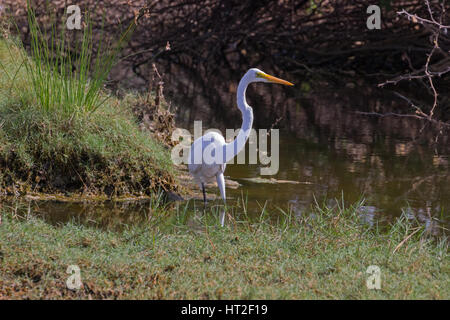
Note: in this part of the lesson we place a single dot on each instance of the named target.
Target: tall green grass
(67, 77)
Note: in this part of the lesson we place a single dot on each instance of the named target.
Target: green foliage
(312, 6)
(65, 76)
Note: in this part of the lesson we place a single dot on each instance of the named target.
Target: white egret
(210, 153)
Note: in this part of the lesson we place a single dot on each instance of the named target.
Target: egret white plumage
(210, 153)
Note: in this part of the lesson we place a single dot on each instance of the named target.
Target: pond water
(327, 152)
(391, 178)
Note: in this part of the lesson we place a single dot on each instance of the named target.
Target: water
(327, 152)
(391, 177)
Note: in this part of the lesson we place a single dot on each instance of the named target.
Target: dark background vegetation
(323, 46)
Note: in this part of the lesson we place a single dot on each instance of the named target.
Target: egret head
(257, 75)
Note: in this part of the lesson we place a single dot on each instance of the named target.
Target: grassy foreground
(181, 256)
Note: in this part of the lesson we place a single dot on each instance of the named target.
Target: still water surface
(392, 179)
(327, 152)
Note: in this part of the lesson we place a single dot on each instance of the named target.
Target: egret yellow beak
(274, 79)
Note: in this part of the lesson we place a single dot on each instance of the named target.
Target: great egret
(210, 153)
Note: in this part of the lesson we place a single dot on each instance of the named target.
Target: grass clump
(182, 255)
(52, 141)
(65, 74)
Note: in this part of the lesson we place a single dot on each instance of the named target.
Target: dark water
(391, 177)
(327, 152)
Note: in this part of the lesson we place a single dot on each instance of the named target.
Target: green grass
(181, 255)
(63, 73)
(54, 152)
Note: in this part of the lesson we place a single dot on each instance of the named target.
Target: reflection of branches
(416, 183)
(437, 30)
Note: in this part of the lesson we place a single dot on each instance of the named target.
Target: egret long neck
(234, 147)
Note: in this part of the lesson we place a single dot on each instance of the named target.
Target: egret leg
(204, 195)
(221, 184)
